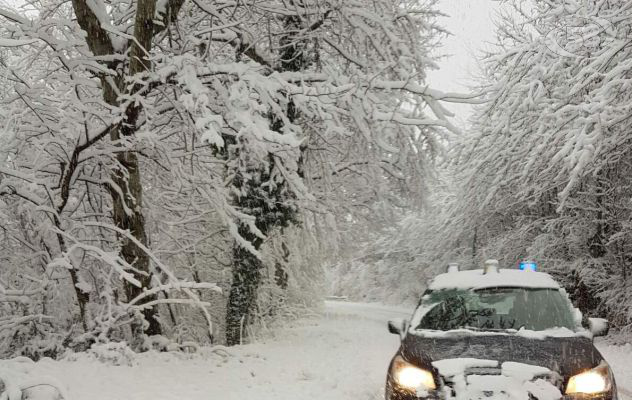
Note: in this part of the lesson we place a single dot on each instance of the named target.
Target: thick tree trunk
(127, 194)
(247, 271)
(127, 215)
(269, 207)
(128, 178)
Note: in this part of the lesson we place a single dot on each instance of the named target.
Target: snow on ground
(341, 355)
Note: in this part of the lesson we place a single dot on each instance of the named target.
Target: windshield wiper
(477, 329)
(473, 328)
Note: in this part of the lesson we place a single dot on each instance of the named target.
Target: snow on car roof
(476, 279)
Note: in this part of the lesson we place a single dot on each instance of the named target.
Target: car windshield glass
(496, 309)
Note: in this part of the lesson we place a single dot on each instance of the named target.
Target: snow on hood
(525, 333)
(511, 381)
(565, 356)
(476, 279)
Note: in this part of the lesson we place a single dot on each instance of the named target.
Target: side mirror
(598, 326)
(398, 327)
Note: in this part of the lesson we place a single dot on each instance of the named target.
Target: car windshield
(496, 309)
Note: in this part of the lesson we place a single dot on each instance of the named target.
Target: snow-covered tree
(543, 172)
(142, 140)
(544, 175)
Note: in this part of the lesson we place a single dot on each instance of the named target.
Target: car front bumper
(392, 393)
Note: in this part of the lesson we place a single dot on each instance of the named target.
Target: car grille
(472, 374)
(483, 371)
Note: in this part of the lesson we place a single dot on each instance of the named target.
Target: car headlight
(411, 377)
(596, 380)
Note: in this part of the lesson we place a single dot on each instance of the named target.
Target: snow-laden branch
(437, 95)
(172, 279)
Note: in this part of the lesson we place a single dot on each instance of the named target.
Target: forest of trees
(180, 172)
(177, 173)
(543, 173)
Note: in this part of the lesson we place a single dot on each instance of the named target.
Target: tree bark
(270, 207)
(127, 194)
(247, 269)
(129, 180)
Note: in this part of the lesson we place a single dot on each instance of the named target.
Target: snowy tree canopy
(550, 150)
(140, 138)
(542, 172)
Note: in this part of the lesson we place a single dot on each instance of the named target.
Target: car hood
(564, 355)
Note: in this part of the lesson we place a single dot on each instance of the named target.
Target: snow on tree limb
(157, 123)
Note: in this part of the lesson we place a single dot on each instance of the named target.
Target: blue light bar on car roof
(528, 266)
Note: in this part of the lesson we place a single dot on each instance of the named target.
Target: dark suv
(498, 334)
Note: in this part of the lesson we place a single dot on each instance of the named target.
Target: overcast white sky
(471, 25)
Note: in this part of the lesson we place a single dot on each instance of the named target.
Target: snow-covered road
(341, 355)
(620, 359)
